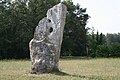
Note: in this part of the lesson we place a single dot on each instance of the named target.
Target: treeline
(19, 18)
(101, 45)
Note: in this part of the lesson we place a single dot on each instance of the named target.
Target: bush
(103, 51)
(115, 50)
(111, 50)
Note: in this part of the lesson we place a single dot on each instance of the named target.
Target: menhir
(46, 44)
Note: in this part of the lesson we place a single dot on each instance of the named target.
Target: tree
(95, 42)
(75, 32)
(14, 28)
(112, 38)
(19, 20)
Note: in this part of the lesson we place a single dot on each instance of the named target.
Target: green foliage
(75, 32)
(17, 25)
(112, 38)
(13, 34)
(115, 50)
(102, 51)
(112, 50)
(95, 40)
(104, 46)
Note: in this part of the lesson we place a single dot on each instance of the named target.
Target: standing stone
(46, 44)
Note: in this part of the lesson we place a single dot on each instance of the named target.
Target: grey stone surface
(46, 44)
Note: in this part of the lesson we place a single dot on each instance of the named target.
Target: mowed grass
(70, 69)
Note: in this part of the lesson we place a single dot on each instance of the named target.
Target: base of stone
(53, 71)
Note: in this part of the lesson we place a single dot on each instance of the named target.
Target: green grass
(70, 69)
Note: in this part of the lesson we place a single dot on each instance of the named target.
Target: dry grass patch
(70, 69)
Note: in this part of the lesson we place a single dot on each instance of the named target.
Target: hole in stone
(49, 20)
(41, 49)
(51, 29)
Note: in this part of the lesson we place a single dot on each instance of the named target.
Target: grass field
(70, 69)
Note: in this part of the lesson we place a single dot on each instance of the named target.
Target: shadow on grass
(60, 73)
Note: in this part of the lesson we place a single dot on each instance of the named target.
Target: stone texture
(46, 44)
